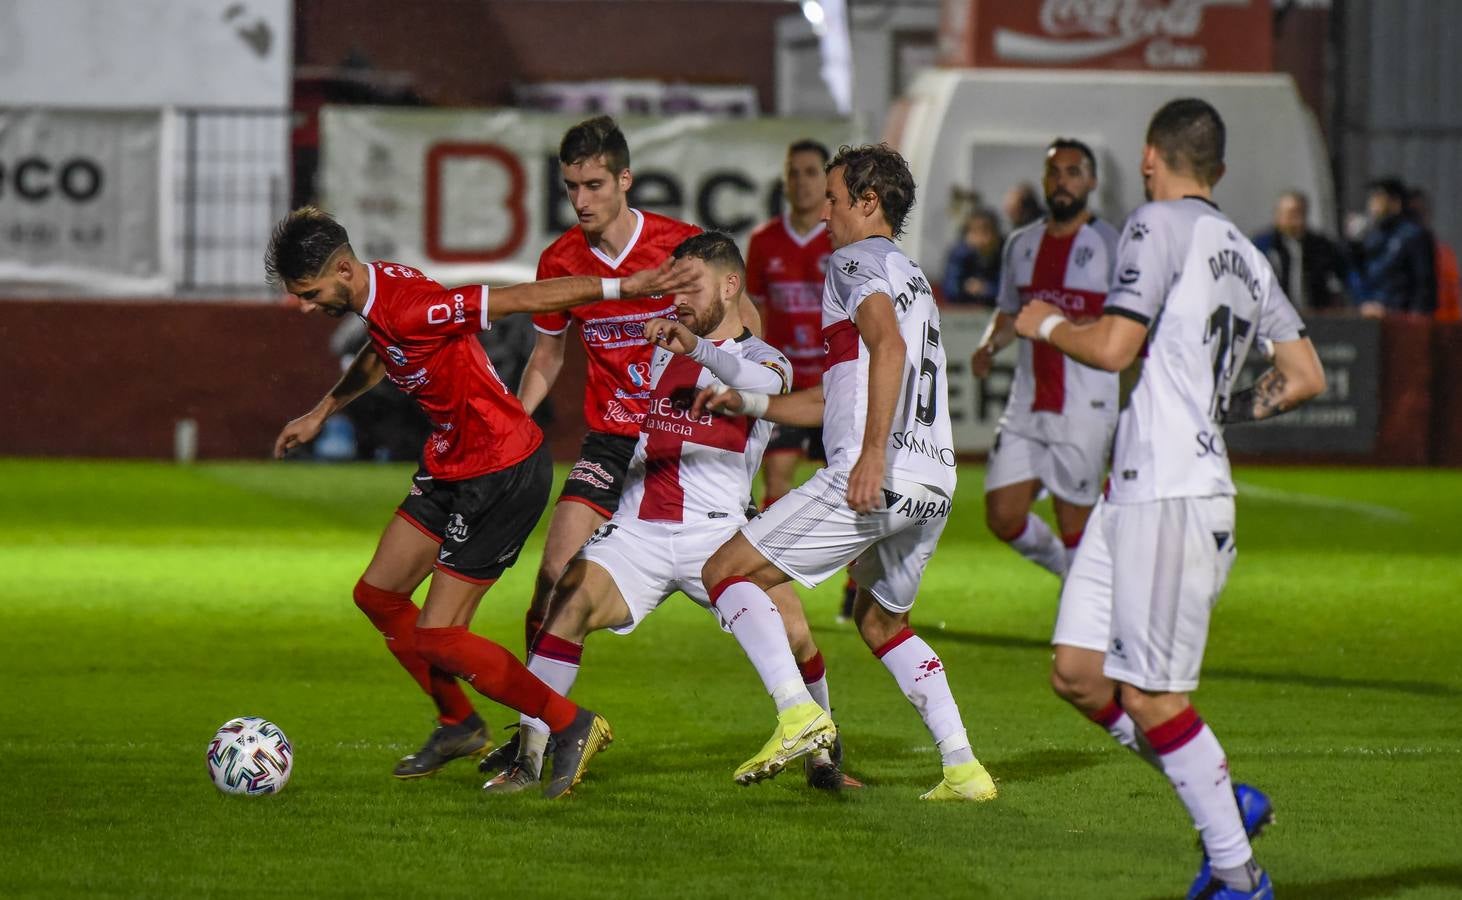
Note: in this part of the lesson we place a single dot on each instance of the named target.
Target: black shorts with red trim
(483, 522)
(789, 439)
(597, 479)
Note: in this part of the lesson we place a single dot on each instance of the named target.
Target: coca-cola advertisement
(1184, 35)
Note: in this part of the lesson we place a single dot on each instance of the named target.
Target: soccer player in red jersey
(611, 240)
(483, 481)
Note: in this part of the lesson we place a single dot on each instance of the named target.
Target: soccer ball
(250, 755)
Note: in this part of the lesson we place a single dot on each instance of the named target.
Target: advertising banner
(1342, 420)
(1192, 35)
(80, 202)
(468, 194)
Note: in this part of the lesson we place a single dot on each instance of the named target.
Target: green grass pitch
(141, 605)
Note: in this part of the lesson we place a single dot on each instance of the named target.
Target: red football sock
(494, 672)
(394, 616)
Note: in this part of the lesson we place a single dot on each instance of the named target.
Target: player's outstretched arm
(999, 334)
(800, 409)
(768, 377)
(1297, 376)
(555, 294)
(1110, 343)
(365, 371)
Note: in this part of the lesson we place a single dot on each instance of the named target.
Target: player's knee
(717, 569)
(379, 604)
(1004, 521)
(1068, 686)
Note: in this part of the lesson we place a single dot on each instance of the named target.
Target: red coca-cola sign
(1182, 35)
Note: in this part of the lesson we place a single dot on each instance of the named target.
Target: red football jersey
(617, 394)
(427, 334)
(784, 272)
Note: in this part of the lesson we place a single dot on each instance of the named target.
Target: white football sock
(558, 670)
(920, 675)
(1039, 544)
(819, 692)
(757, 626)
(1195, 764)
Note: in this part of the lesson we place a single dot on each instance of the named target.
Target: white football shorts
(812, 534)
(1143, 586)
(649, 561)
(1072, 470)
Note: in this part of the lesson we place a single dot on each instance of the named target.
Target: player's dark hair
(880, 169)
(713, 247)
(808, 145)
(301, 244)
(599, 136)
(1189, 135)
(1391, 186)
(1064, 143)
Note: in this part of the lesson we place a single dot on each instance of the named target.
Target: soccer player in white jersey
(686, 492)
(1057, 428)
(1191, 296)
(884, 497)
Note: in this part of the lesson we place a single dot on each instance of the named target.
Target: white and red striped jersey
(920, 444)
(1054, 398)
(688, 469)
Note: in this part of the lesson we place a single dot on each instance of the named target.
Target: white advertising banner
(476, 194)
(138, 53)
(80, 202)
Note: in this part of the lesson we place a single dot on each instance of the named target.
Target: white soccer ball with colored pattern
(251, 756)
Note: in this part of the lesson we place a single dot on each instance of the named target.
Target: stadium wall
(108, 379)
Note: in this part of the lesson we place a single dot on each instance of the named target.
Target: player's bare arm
(365, 371)
(556, 294)
(544, 364)
(999, 334)
(1297, 376)
(1110, 343)
(800, 409)
(879, 329)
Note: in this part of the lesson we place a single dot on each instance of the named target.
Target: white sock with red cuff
(756, 624)
(1039, 544)
(1198, 769)
(555, 662)
(1124, 731)
(920, 675)
(814, 675)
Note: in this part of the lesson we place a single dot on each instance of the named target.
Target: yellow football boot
(801, 729)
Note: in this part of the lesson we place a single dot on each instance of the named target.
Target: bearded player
(1192, 295)
(1058, 423)
(684, 493)
(611, 240)
(885, 495)
(483, 481)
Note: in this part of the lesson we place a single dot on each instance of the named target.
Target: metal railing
(232, 184)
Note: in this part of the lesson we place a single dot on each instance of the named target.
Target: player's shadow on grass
(1004, 641)
(1419, 688)
(1383, 885)
(1034, 765)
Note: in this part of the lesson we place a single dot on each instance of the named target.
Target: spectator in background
(1448, 276)
(1312, 268)
(972, 272)
(1022, 205)
(1396, 273)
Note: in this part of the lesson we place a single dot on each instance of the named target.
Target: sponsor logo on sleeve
(1137, 232)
